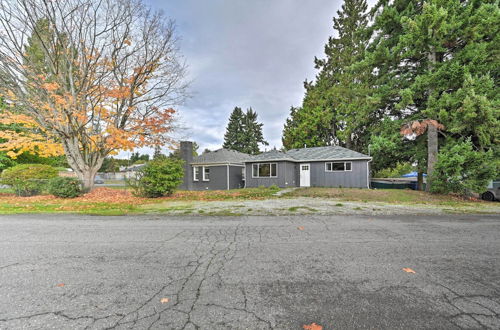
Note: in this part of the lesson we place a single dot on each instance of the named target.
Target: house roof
(221, 156)
(310, 154)
(271, 155)
(326, 153)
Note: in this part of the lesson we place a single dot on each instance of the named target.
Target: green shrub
(461, 169)
(65, 187)
(158, 178)
(5, 162)
(274, 187)
(395, 172)
(28, 179)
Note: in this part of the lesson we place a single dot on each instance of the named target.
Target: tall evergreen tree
(436, 60)
(253, 133)
(234, 136)
(335, 107)
(244, 132)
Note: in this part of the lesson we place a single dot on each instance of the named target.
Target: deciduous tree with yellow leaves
(92, 76)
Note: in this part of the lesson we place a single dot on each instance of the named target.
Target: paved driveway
(75, 272)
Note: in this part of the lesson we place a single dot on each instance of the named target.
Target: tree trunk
(85, 165)
(420, 180)
(432, 151)
(348, 141)
(432, 133)
(87, 176)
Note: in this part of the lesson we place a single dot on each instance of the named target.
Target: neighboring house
(126, 172)
(215, 170)
(309, 167)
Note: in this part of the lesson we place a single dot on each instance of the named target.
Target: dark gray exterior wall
(287, 176)
(236, 177)
(357, 178)
(218, 178)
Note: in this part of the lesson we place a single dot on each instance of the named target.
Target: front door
(305, 175)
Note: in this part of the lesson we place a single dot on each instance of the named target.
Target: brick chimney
(186, 151)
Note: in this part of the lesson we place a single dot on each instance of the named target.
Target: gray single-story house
(307, 167)
(331, 166)
(214, 170)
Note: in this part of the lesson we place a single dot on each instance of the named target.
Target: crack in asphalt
(210, 253)
(461, 311)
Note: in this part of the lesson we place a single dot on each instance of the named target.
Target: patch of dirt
(307, 205)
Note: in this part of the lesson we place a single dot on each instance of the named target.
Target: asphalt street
(340, 272)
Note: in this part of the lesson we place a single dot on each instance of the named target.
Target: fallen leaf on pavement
(60, 285)
(313, 326)
(300, 228)
(164, 300)
(409, 270)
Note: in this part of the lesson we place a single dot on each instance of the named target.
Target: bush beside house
(158, 178)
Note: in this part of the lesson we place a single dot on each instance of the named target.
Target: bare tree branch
(105, 76)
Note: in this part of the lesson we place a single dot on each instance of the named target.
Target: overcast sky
(247, 53)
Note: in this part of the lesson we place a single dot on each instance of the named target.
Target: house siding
(357, 178)
(287, 175)
(236, 177)
(218, 179)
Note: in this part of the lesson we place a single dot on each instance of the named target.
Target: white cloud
(248, 54)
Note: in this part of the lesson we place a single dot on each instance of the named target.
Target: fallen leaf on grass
(60, 285)
(300, 228)
(164, 300)
(409, 270)
(313, 326)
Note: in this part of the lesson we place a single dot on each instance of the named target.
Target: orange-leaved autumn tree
(95, 76)
(22, 134)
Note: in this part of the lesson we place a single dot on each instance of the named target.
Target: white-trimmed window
(196, 173)
(265, 170)
(338, 166)
(206, 173)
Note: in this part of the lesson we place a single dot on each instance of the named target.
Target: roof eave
(333, 159)
(217, 164)
(307, 160)
(270, 160)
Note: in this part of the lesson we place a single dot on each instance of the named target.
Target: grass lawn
(110, 201)
(392, 196)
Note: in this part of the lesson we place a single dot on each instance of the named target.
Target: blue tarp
(411, 175)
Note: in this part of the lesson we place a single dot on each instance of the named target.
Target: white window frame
(344, 170)
(196, 173)
(270, 171)
(203, 173)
